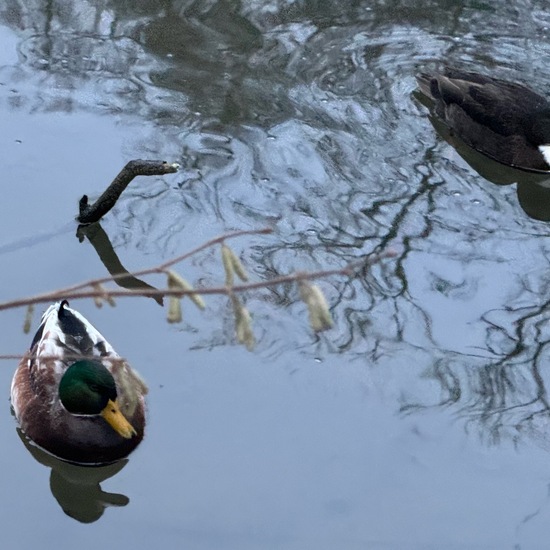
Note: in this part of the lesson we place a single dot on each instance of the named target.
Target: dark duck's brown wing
(503, 120)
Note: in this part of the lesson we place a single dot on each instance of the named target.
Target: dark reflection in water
(534, 198)
(533, 190)
(76, 488)
(102, 245)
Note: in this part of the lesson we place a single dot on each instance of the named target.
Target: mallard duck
(74, 396)
(505, 121)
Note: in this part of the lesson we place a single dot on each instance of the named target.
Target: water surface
(421, 419)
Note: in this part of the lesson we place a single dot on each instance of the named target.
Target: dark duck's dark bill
(505, 121)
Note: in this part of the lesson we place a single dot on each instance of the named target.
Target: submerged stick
(94, 212)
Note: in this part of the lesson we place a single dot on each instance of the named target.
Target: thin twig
(74, 293)
(157, 269)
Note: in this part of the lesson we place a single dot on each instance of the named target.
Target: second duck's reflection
(533, 189)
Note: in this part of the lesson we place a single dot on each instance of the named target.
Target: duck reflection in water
(77, 488)
(533, 187)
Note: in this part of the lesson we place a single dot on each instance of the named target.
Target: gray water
(421, 419)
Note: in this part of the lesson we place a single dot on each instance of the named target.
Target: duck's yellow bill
(111, 413)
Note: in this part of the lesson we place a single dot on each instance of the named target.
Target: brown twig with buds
(178, 287)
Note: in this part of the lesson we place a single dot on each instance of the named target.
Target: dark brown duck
(503, 120)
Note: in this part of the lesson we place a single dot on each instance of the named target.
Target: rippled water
(421, 419)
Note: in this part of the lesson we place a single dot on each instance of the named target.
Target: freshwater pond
(421, 419)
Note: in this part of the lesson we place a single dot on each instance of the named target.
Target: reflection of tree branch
(504, 395)
(501, 382)
(510, 392)
(121, 276)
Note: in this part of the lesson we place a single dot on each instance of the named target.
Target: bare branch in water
(90, 213)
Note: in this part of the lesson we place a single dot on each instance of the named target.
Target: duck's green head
(88, 388)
